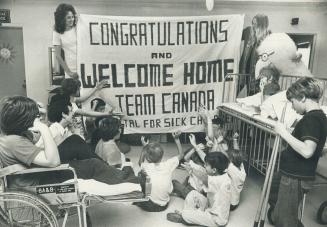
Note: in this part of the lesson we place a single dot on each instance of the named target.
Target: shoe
(174, 217)
(270, 215)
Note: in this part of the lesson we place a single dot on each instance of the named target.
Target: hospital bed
(43, 205)
(256, 134)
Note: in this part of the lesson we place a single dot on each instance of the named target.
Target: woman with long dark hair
(252, 37)
(64, 37)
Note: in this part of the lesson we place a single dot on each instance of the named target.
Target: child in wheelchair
(18, 116)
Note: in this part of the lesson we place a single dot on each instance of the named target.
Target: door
(12, 65)
(305, 44)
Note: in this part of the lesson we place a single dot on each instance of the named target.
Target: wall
(36, 18)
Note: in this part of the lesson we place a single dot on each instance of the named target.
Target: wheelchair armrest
(21, 169)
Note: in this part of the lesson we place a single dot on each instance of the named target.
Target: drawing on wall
(7, 53)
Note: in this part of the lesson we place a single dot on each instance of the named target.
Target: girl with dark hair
(64, 37)
(18, 116)
(106, 148)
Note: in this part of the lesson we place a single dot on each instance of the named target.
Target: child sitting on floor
(160, 173)
(213, 209)
(192, 182)
(215, 136)
(235, 169)
(237, 175)
(107, 149)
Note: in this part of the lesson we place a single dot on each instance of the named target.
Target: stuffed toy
(280, 50)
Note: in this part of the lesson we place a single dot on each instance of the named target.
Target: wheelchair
(43, 205)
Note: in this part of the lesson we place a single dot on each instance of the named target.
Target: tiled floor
(121, 215)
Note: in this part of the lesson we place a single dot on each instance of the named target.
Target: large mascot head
(280, 50)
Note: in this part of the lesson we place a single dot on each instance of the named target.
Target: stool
(306, 186)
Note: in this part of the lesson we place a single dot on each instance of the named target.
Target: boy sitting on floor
(212, 210)
(160, 173)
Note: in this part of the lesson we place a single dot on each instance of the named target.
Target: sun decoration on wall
(7, 53)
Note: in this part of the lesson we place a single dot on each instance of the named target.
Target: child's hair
(217, 121)
(70, 86)
(304, 87)
(17, 114)
(271, 72)
(217, 160)
(235, 157)
(271, 89)
(99, 103)
(109, 128)
(154, 152)
(55, 110)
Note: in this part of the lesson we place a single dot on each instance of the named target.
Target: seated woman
(18, 115)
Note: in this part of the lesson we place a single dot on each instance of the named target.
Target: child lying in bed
(269, 86)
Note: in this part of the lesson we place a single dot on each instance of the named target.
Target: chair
(42, 205)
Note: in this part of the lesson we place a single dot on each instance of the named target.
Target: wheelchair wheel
(322, 213)
(23, 209)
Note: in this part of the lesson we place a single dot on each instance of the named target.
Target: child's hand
(200, 146)
(73, 75)
(192, 140)
(187, 167)
(144, 141)
(202, 111)
(176, 134)
(209, 142)
(280, 128)
(235, 136)
(101, 84)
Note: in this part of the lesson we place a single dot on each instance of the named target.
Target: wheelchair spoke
(23, 209)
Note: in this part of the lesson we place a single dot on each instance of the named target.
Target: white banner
(160, 69)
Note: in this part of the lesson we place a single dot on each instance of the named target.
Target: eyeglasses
(264, 56)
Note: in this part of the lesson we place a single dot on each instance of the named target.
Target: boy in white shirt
(160, 173)
(237, 175)
(212, 210)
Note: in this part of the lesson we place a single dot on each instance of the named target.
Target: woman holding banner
(64, 37)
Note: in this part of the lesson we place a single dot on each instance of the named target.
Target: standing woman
(64, 37)
(252, 37)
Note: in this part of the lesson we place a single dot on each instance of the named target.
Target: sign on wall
(160, 69)
(5, 16)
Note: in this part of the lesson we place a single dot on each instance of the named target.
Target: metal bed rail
(232, 90)
(256, 138)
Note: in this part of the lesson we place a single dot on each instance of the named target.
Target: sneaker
(174, 217)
